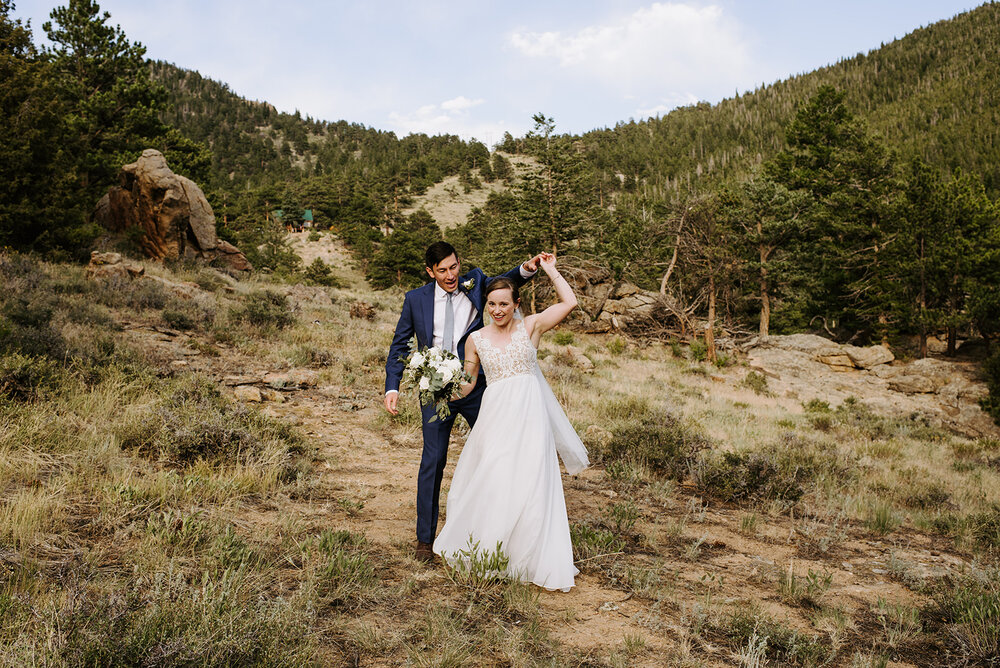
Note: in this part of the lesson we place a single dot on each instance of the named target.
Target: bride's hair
(501, 282)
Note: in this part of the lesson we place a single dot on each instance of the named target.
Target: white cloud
(664, 46)
(667, 104)
(451, 117)
(461, 103)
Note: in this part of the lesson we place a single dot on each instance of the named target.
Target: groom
(442, 313)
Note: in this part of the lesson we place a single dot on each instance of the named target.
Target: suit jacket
(417, 318)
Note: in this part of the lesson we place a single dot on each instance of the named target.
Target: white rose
(416, 360)
(446, 375)
(425, 383)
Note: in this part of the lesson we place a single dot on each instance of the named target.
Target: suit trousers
(435, 457)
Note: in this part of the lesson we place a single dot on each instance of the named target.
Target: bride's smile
(501, 307)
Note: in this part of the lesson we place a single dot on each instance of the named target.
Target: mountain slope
(934, 93)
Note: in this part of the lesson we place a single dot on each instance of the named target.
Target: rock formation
(111, 265)
(805, 367)
(172, 211)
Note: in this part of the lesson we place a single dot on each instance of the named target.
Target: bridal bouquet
(437, 376)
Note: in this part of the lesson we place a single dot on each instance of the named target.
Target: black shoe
(425, 553)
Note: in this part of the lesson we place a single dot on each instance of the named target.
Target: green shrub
(782, 644)
(23, 378)
(985, 527)
(318, 273)
(752, 476)
(925, 495)
(616, 346)
(621, 517)
(698, 350)
(656, 438)
(264, 309)
(26, 326)
(758, 383)
(817, 406)
(186, 314)
(313, 236)
(971, 608)
(882, 518)
(347, 579)
(195, 422)
(628, 408)
(562, 338)
(330, 541)
(590, 542)
(178, 319)
(209, 280)
(124, 292)
(230, 619)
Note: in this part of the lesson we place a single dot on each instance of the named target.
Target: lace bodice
(518, 358)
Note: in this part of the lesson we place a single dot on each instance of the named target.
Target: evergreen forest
(859, 199)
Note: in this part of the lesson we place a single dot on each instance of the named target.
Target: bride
(506, 489)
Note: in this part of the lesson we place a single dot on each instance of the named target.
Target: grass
(147, 513)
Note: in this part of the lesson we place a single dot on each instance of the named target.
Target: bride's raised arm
(542, 322)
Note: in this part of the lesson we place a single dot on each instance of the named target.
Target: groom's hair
(501, 282)
(438, 251)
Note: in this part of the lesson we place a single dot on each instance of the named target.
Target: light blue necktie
(448, 338)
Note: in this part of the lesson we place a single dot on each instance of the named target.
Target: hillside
(252, 144)
(935, 94)
(212, 479)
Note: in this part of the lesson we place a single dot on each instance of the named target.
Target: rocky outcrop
(172, 211)
(839, 357)
(111, 265)
(805, 367)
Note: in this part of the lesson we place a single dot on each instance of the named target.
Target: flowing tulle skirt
(507, 488)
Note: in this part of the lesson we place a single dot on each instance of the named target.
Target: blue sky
(478, 68)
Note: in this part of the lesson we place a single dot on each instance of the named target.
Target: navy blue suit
(417, 319)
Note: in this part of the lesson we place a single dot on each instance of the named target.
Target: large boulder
(172, 211)
(869, 356)
(924, 376)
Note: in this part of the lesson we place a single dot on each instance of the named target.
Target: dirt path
(690, 566)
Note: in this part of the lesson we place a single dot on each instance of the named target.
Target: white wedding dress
(507, 487)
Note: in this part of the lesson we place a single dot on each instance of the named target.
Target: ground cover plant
(229, 492)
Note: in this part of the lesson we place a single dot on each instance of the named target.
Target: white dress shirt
(465, 313)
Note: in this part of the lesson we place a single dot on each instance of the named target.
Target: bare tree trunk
(923, 303)
(673, 258)
(710, 329)
(670, 270)
(765, 293)
(952, 310)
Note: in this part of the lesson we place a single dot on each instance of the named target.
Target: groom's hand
(532, 264)
(391, 399)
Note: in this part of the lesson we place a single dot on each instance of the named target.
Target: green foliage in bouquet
(436, 374)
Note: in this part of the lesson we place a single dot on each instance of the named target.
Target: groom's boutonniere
(469, 284)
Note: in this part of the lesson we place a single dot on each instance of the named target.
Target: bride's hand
(547, 260)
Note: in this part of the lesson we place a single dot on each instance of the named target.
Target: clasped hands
(540, 260)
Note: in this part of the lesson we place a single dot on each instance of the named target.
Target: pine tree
(400, 258)
(770, 216)
(37, 209)
(849, 176)
(113, 105)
